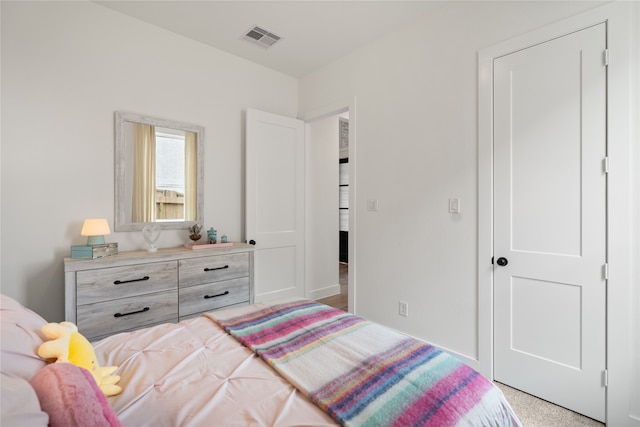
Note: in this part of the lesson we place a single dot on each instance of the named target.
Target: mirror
(159, 173)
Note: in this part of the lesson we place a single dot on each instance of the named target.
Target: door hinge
(606, 57)
(605, 164)
(605, 378)
(605, 271)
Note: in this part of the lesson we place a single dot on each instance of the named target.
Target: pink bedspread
(194, 374)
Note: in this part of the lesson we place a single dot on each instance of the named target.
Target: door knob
(252, 242)
(502, 261)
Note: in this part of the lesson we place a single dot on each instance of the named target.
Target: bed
(289, 363)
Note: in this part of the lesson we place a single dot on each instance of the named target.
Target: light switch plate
(454, 205)
(372, 205)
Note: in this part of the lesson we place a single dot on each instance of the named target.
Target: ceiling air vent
(261, 37)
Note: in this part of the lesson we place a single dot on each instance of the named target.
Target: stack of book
(94, 251)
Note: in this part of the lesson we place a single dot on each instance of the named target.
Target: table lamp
(95, 229)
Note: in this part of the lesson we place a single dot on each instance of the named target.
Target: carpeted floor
(534, 412)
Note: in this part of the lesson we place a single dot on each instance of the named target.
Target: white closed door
(275, 203)
(550, 220)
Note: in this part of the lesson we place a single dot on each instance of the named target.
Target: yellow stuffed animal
(68, 345)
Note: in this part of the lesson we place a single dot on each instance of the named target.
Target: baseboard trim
(328, 291)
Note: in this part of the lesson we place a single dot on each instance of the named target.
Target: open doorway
(343, 209)
(328, 211)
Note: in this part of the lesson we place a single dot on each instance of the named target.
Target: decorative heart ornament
(151, 233)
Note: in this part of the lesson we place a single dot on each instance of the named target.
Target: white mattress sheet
(194, 374)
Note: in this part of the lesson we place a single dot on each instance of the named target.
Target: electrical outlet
(404, 308)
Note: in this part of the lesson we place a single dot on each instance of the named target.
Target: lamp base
(95, 240)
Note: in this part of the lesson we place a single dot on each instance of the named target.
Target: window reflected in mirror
(163, 173)
(175, 175)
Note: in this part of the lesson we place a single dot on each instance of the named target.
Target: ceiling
(314, 33)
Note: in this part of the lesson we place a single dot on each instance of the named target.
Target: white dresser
(137, 289)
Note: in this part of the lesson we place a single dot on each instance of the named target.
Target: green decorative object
(212, 235)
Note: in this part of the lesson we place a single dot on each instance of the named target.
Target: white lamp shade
(95, 227)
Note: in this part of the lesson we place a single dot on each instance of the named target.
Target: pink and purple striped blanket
(362, 373)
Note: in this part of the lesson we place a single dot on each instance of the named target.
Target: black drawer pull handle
(120, 282)
(133, 312)
(216, 268)
(216, 295)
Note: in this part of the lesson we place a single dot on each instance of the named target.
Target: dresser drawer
(119, 282)
(110, 317)
(161, 280)
(198, 271)
(212, 296)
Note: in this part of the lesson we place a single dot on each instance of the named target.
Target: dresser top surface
(142, 256)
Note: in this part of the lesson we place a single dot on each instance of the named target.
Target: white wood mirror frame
(123, 176)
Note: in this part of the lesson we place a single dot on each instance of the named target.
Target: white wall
(322, 238)
(417, 139)
(417, 146)
(66, 68)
